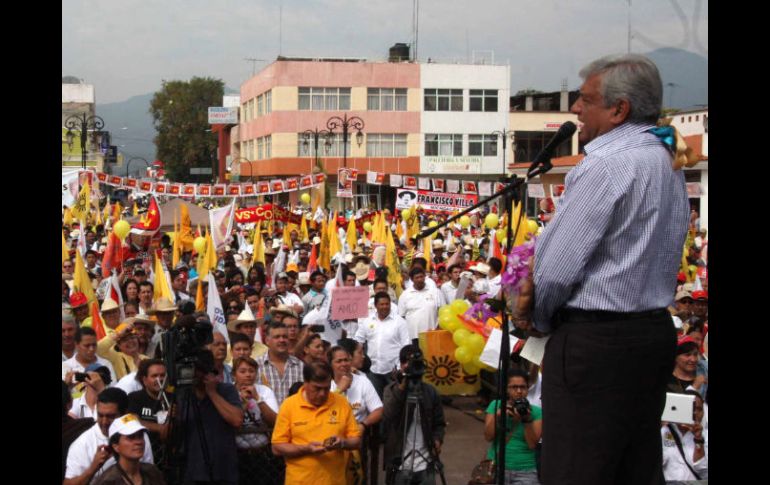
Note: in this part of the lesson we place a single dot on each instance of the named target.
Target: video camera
(182, 346)
(415, 367)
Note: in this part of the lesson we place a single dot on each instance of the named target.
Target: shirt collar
(626, 129)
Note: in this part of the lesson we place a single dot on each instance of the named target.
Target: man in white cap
(127, 443)
(90, 455)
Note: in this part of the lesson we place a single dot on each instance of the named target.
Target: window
(483, 100)
(324, 99)
(268, 102)
(482, 145)
(386, 99)
(385, 145)
(530, 143)
(443, 145)
(260, 148)
(260, 105)
(697, 117)
(443, 100)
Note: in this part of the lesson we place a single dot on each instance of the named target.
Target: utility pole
(253, 64)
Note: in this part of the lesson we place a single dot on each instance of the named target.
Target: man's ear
(621, 112)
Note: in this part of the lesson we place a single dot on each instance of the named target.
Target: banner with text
(434, 201)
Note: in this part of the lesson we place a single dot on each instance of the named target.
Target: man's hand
(210, 383)
(345, 382)
(315, 448)
(700, 379)
(102, 455)
(697, 431)
(248, 392)
(437, 444)
(333, 443)
(69, 378)
(95, 381)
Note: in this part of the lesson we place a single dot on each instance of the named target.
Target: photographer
(412, 441)
(523, 428)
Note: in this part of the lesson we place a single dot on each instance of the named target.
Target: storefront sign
(462, 165)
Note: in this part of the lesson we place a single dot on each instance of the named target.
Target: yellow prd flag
(427, 244)
(200, 304)
(185, 231)
(82, 205)
(334, 239)
(521, 236)
(176, 249)
(65, 253)
(81, 281)
(392, 263)
(259, 245)
(376, 229)
(324, 257)
(211, 253)
(303, 234)
(382, 235)
(67, 219)
(352, 235)
(135, 210)
(161, 288)
(287, 236)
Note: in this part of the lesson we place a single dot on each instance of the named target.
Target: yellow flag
(382, 235)
(352, 235)
(303, 234)
(334, 239)
(65, 253)
(211, 253)
(324, 257)
(67, 217)
(176, 249)
(135, 210)
(259, 245)
(83, 203)
(392, 263)
(80, 279)
(399, 229)
(200, 305)
(117, 210)
(287, 236)
(161, 288)
(428, 251)
(186, 237)
(107, 210)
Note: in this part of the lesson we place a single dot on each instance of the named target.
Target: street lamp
(128, 164)
(316, 134)
(251, 168)
(505, 134)
(345, 124)
(82, 123)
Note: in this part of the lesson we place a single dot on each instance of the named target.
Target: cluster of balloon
(469, 343)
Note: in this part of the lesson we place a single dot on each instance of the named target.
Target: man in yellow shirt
(313, 428)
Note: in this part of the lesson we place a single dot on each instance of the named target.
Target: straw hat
(246, 316)
(361, 270)
(163, 305)
(284, 310)
(108, 305)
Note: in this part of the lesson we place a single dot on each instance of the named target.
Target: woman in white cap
(127, 442)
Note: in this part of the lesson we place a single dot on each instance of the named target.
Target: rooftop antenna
(253, 64)
(415, 26)
(629, 26)
(280, 29)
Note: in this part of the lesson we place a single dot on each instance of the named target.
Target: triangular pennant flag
(81, 281)
(96, 321)
(352, 236)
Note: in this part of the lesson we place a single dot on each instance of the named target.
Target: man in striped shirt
(278, 369)
(605, 271)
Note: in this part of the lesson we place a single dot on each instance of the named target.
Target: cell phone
(317, 328)
(679, 408)
(81, 377)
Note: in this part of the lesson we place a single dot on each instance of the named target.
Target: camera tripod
(412, 407)
(177, 447)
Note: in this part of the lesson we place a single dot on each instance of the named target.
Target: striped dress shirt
(270, 376)
(616, 240)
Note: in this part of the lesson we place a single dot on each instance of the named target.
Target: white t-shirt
(80, 408)
(129, 383)
(674, 467)
(290, 299)
(83, 449)
(420, 309)
(494, 285)
(362, 397)
(384, 339)
(449, 291)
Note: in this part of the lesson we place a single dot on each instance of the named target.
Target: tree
(180, 115)
(527, 91)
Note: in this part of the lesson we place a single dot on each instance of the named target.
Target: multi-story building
(430, 119)
(78, 98)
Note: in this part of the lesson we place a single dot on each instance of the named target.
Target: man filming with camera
(414, 424)
(523, 428)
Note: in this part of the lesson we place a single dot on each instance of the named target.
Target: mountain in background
(130, 124)
(685, 78)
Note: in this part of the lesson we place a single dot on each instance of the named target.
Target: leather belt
(576, 315)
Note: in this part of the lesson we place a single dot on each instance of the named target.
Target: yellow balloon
(460, 337)
(500, 235)
(406, 214)
(305, 198)
(459, 306)
(463, 355)
(465, 221)
(368, 226)
(445, 310)
(432, 224)
(199, 244)
(121, 229)
(454, 324)
(475, 342)
(471, 369)
(533, 227)
(491, 221)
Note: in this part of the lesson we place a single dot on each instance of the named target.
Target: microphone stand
(510, 194)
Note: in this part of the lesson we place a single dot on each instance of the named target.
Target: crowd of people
(267, 398)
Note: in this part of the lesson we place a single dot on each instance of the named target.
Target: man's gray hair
(633, 77)
(68, 317)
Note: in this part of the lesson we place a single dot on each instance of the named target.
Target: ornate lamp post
(345, 124)
(505, 134)
(82, 123)
(128, 164)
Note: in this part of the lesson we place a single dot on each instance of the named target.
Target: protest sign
(350, 302)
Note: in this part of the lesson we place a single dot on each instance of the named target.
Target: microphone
(565, 132)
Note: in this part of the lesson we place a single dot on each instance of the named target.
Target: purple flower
(517, 268)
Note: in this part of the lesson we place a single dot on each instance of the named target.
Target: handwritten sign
(350, 302)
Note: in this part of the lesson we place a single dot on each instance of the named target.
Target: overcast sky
(126, 48)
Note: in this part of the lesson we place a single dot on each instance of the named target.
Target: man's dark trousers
(604, 390)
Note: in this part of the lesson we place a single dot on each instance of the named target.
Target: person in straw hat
(163, 311)
(121, 348)
(246, 324)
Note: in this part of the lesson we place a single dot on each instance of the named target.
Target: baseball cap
(126, 425)
(700, 295)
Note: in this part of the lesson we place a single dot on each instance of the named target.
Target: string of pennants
(277, 186)
(264, 187)
(435, 185)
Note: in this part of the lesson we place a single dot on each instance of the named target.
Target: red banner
(266, 212)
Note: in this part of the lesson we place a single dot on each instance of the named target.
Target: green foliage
(527, 91)
(180, 115)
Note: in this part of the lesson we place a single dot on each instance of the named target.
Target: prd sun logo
(443, 371)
